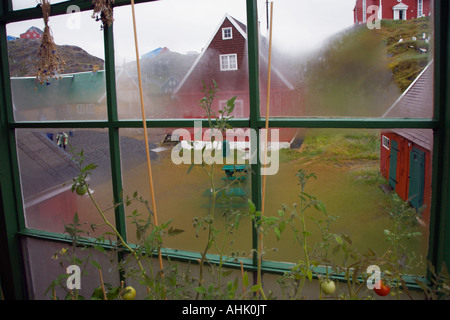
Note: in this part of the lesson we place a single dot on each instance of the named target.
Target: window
(114, 131)
(228, 62)
(81, 108)
(227, 33)
(419, 8)
(385, 142)
(364, 10)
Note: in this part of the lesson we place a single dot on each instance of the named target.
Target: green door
(416, 177)
(393, 164)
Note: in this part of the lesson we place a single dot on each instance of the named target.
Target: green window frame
(12, 224)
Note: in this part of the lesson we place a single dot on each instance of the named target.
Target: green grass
(336, 148)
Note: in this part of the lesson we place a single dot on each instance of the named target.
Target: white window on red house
(228, 62)
(227, 33)
(385, 142)
(419, 8)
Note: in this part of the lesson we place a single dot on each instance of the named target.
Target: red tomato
(383, 290)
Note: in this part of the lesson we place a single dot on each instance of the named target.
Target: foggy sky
(187, 25)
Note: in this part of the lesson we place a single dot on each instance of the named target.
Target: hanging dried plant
(103, 11)
(50, 62)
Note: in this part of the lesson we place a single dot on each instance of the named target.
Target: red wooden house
(392, 9)
(225, 61)
(32, 33)
(406, 154)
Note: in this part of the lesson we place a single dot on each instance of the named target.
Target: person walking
(62, 140)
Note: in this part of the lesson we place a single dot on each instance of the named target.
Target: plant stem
(115, 231)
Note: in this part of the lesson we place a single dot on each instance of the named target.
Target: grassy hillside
(408, 57)
(23, 58)
(361, 72)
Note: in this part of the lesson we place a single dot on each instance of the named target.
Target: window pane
(78, 90)
(182, 195)
(25, 4)
(47, 172)
(175, 60)
(362, 183)
(42, 267)
(329, 63)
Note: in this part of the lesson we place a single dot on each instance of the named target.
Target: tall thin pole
(144, 123)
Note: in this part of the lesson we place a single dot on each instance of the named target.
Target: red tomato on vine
(382, 289)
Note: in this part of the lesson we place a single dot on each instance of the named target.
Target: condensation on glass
(183, 194)
(361, 176)
(327, 63)
(41, 270)
(187, 51)
(49, 161)
(78, 92)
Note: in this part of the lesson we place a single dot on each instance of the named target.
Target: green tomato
(328, 287)
(129, 293)
(81, 190)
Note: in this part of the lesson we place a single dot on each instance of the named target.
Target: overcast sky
(188, 25)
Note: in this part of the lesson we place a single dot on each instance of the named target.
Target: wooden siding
(387, 11)
(286, 100)
(403, 164)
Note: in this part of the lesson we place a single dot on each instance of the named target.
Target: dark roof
(35, 29)
(416, 102)
(43, 165)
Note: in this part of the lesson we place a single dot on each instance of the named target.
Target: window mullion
(253, 70)
(113, 132)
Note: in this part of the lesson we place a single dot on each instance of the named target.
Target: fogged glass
(326, 62)
(46, 261)
(78, 91)
(49, 161)
(183, 193)
(367, 180)
(177, 54)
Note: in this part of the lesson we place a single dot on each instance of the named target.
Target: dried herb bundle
(50, 62)
(103, 11)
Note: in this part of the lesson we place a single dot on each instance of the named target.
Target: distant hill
(361, 71)
(159, 68)
(23, 58)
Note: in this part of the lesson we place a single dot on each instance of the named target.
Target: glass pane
(42, 267)
(77, 92)
(183, 194)
(26, 4)
(175, 60)
(326, 62)
(361, 177)
(47, 172)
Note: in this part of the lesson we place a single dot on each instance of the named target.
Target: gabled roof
(238, 27)
(242, 28)
(400, 6)
(36, 29)
(416, 102)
